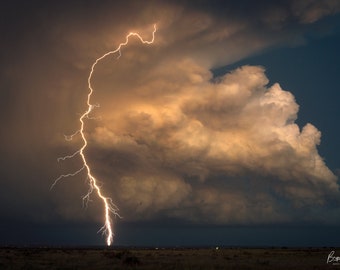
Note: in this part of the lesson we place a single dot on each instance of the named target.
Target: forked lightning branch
(110, 209)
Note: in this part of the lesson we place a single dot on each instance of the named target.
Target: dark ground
(169, 258)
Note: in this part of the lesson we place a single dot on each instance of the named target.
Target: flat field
(167, 258)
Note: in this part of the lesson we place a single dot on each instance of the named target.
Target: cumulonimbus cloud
(182, 143)
(172, 140)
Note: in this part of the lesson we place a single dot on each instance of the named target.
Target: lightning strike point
(110, 209)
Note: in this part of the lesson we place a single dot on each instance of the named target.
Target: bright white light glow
(109, 207)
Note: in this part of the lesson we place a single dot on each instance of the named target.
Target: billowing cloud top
(223, 149)
(172, 140)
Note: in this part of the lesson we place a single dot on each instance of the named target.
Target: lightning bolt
(109, 207)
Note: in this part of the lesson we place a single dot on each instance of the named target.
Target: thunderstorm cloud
(227, 147)
(170, 138)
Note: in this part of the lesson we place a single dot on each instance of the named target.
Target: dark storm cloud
(172, 140)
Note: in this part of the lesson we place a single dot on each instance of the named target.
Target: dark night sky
(223, 132)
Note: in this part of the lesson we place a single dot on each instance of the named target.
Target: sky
(224, 131)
